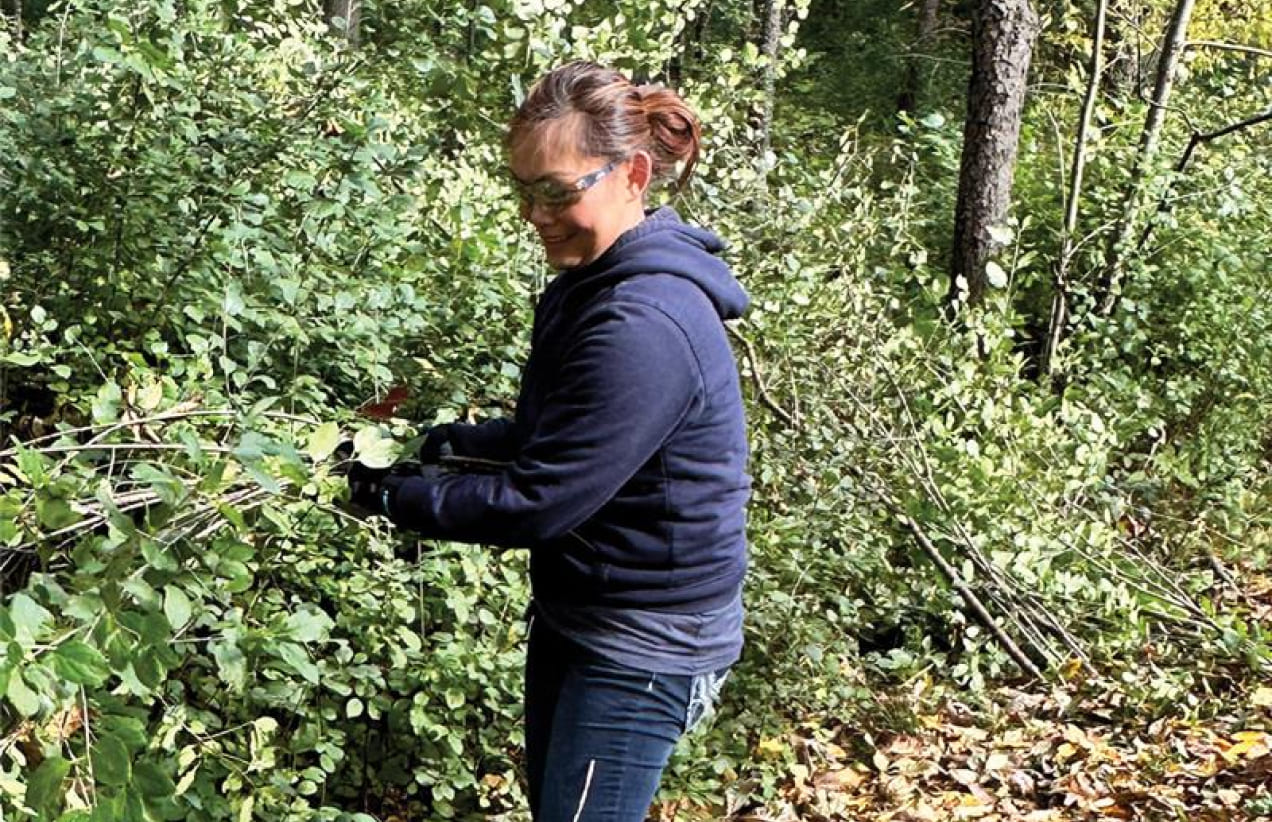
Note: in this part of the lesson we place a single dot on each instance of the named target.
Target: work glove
(373, 491)
(435, 446)
(368, 489)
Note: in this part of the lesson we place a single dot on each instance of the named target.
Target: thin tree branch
(978, 608)
(1198, 139)
(1214, 44)
(1060, 282)
(765, 397)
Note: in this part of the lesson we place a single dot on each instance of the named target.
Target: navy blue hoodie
(628, 450)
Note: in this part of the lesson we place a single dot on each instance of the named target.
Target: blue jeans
(599, 734)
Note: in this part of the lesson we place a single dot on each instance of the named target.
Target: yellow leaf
(771, 748)
(1262, 698)
(1250, 744)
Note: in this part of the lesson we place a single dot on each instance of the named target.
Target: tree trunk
(1060, 285)
(908, 98)
(350, 11)
(1115, 258)
(17, 20)
(1003, 33)
(771, 39)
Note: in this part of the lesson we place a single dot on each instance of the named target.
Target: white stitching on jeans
(587, 783)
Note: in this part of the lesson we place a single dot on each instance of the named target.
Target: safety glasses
(554, 194)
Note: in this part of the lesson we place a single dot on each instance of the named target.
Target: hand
(436, 445)
(372, 491)
(367, 489)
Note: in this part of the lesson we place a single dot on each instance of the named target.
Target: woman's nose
(534, 213)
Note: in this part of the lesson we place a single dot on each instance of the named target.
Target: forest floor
(1079, 751)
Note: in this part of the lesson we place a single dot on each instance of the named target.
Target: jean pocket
(704, 695)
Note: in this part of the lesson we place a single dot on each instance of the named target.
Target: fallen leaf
(997, 761)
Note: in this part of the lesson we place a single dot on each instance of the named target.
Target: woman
(626, 459)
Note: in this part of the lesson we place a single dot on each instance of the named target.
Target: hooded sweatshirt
(627, 477)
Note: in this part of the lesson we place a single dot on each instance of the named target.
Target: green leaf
(23, 699)
(44, 792)
(29, 617)
(106, 404)
(296, 658)
(995, 274)
(81, 664)
(176, 606)
(167, 487)
(256, 470)
(379, 454)
(309, 624)
(152, 782)
(323, 441)
(55, 514)
(111, 765)
(23, 359)
(353, 708)
(1001, 234)
(454, 698)
(127, 729)
(231, 664)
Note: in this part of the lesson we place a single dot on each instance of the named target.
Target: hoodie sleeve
(624, 385)
(492, 440)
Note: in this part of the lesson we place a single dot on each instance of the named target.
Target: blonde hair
(616, 117)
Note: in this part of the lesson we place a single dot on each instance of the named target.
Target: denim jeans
(599, 734)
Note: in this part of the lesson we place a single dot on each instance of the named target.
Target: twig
(1198, 138)
(1214, 44)
(758, 377)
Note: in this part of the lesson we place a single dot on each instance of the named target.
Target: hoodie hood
(663, 244)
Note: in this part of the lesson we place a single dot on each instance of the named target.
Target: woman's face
(578, 232)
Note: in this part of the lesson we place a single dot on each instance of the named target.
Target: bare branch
(1214, 44)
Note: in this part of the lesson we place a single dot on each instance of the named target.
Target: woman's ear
(640, 174)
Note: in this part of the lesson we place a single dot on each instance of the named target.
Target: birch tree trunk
(350, 11)
(771, 39)
(1003, 33)
(1115, 259)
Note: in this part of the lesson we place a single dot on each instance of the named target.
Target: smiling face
(577, 233)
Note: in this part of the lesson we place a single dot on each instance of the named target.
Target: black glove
(373, 491)
(436, 445)
(367, 488)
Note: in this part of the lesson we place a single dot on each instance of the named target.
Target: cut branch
(973, 602)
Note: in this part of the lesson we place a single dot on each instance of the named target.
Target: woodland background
(1010, 404)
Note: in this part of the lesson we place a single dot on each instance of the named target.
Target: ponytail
(675, 134)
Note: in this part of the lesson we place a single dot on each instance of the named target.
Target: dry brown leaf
(842, 779)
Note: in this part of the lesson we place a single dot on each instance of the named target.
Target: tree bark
(771, 39)
(17, 20)
(1060, 284)
(1003, 33)
(928, 17)
(1172, 47)
(350, 11)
